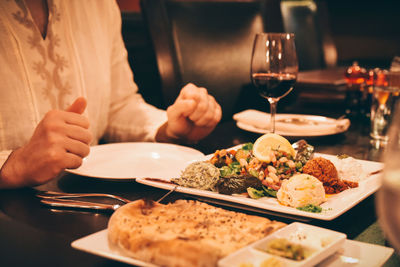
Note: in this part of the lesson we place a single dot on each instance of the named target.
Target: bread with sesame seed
(183, 233)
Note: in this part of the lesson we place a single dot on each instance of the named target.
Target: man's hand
(60, 141)
(193, 116)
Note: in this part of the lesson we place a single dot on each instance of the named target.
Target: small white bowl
(322, 242)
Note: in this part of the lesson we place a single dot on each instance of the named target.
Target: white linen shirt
(83, 54)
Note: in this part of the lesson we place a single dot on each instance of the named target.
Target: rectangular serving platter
(335, 205)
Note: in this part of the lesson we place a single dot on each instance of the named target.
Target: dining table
(33, 234)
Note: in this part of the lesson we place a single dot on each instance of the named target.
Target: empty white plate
(137, 160)
(296, 125)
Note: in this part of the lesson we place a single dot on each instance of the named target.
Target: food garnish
(259, 193)
(269, 142)
(311, 208)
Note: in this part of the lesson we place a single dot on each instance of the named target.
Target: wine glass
(274, 67)
(388, 196)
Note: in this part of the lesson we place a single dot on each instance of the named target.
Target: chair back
(208, 43)
(308, 20)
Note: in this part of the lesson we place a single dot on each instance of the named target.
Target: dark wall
(362, 30)
(365, 30)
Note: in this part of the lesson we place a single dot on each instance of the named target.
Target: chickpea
(283, 159)
(243, 162)
(261, 175)
(291, 164)
(273, 177)
(269, 180)
(271, 169)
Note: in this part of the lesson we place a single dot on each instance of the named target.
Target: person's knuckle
(170, 110)
(212, 99)
(46, 125)
(203, 106)
(51, 139)
(50, 114)
(201, 123)
(85, 150)
(188, 88)
(203, 90)
(211, 116)
(77, 162)
(89, 137)
(53, 155)
(85, 122)
(50, 127)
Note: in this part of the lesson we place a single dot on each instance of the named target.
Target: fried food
(326, 172)
(321, 168)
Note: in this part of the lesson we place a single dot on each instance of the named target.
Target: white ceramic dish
(350, 254)
(322, 242)
(335, 206)
(137, 160)
(293, 125)
(300, 133)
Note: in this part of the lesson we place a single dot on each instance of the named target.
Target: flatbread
(184, 233)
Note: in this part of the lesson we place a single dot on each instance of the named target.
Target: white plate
(335, 206)
(296, 125)
(322, 242)
(351, 254)
(299, 133)
(137, 160)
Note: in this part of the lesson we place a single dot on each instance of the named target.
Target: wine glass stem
(272, 103)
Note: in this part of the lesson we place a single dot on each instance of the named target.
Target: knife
(62, 203)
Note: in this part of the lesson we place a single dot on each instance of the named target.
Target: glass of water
(388, 196)
(385, 96)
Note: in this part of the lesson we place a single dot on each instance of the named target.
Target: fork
(59, 199)
(67, 203)
(61, 195)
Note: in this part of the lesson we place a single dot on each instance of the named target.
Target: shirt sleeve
(130, 117)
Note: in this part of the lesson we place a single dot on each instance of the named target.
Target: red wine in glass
(274, 67)
(274, 85)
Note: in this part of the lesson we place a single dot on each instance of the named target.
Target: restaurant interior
(333, 34)
(209, 43)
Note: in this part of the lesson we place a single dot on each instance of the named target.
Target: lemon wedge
(266, 143)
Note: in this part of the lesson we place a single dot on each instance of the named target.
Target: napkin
(293, 124)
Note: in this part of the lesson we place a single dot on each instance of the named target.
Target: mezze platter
(334, 205)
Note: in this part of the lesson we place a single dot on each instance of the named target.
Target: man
(66, 83)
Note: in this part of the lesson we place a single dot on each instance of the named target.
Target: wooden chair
(209, 43)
